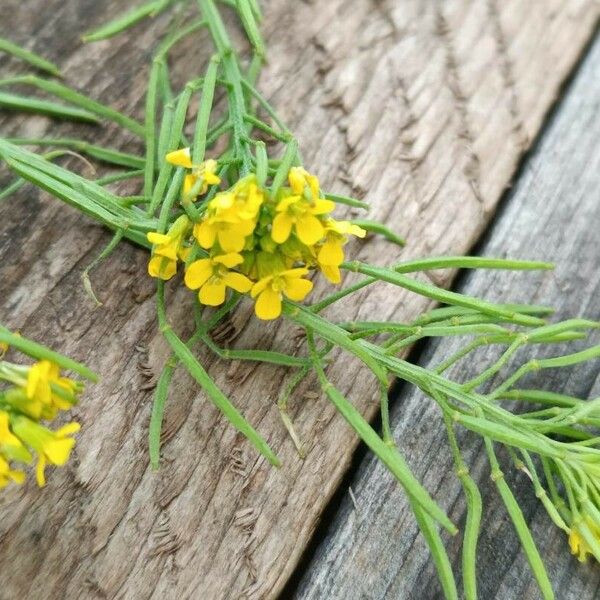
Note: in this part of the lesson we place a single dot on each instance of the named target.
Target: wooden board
(425, 107)
(371, 550)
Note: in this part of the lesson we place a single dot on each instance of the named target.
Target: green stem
(198, 372)
(40, 352)
(388, 455)
(233, 75)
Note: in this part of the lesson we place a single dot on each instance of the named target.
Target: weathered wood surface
(372, 550)
(425, 107)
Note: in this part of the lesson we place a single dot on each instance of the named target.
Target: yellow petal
(183, 253)
(207, 169)
(3, 425)
(345, 227)
(313, 183)
(205, 233)
(332, 273)
(255, 200)
(230, 240)
(238, 282)
(57, 451)
(53, 371)
(222, 201)
(161, 267)
(39, 471)
(356, 230)
(6, 437)
(297, 289)
(198, 273)
(282, 227)
(60, 403)
(211, 178)
(68, 429)
(331, 253)
(245, 227)
(309, 229)
(229, 260)
(33, 379)
(320, 206)
(268, 305)
(286, 202)
(229, 216)
(297, 179)
(578, 545)
(260, 285)
(298, 272)
(188, 183)
(157, 238)
(212, 294)
(167, 250)
(180, 158)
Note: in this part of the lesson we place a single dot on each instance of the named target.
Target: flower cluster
(33, 394)
(251, 240)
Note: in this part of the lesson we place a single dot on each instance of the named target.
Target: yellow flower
(231, 235)
(331, 254)
(243, 201)
(45, 392)
(3, 348)
(205, 171)
(213, 276)
(300, 180)
(270, 290)
(297, 212)
(7, 474)
(231, 216)
(168, 248)
(52, 447)
(40, 379)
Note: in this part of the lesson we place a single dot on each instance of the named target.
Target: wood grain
(423, 107)
(372, 550)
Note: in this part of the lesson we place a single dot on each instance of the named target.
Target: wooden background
(553, 213)
(423, 107)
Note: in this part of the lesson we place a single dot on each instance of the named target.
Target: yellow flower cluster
(253, 241)
(35, 393)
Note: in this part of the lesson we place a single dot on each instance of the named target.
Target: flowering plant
(239, 222)
(29, 395)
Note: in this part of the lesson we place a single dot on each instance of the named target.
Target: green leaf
(438, 552)
(32, 58)
(72, 97)
(149, 9)
(439, 294)
(339, 199)
(45, 107)
(516, 515)
(107, 155)
(470, 262)
(381, 229)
